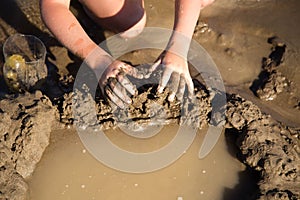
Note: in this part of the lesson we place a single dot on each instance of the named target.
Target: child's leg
(127, 17)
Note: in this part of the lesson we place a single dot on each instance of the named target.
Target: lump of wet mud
(12, 185)
(147, 108)
(270, 81)
(268, 147)
(273, 85)
(25, 126)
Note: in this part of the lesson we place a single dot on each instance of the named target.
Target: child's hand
(115, 85)
(175, 75)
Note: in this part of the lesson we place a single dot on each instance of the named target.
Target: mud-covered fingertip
(190, 94)
(134, 91)
(136, 75)
(139, 76)
(160, 89)
(122, 106)
(182, 121)
(147, 76)
(115, 105)
(171, 97)
(155, 65)
(180, 98)
(129, 101)
(192, 98)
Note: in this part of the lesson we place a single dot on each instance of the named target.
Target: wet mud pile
(25, 126)
(147, 108)
(268, 147)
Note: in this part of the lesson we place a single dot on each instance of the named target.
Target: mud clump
(273, 86)
(147, 108)
(12, 185)
(25, 126)
(270, 81)
(268, 147)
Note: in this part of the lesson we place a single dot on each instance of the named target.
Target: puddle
(68, 171)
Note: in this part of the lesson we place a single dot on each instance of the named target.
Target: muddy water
(68, 171)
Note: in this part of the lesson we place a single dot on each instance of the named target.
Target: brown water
(68, 171)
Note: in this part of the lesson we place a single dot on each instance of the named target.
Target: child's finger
(155, 65)
(124, 81)
(181, 88)
(132, 71)
(164, 79)
(173, 85)
(114, 98)
(190, 86)
(120, 91)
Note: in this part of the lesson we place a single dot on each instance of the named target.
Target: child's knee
(206, 3)
(136, 29)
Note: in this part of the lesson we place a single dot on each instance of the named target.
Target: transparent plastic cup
(24, 68)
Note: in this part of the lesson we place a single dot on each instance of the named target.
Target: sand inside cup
(24, 67)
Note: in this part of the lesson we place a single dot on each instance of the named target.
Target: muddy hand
(175, 76)
(115, 85)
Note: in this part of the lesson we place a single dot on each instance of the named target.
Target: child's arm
(66, 28)
(186, 15)
(176, 74)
